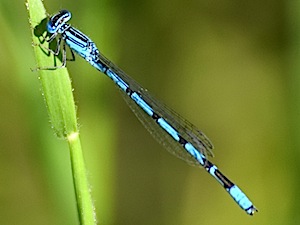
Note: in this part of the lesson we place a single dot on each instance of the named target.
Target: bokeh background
(231, 67)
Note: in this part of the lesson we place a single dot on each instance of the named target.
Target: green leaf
(57, 92)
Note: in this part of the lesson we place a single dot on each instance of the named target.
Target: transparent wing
(186, 129)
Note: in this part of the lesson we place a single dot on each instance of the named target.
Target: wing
(186, 129)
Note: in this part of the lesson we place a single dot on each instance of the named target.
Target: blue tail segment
(177, 135)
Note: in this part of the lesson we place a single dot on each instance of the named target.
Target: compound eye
(51, 28)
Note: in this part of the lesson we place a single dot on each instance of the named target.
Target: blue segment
(195, 153)
(240, 198)
(142, 104)
(178, 133)
(167, 127)
(117, 80)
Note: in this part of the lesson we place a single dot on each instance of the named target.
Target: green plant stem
(57, 92)
(83, 195)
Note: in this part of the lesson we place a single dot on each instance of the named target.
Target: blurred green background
(230, 67)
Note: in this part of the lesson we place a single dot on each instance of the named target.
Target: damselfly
(176, 134)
